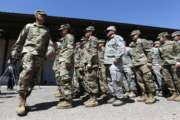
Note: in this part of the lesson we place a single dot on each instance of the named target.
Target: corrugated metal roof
(12, 23)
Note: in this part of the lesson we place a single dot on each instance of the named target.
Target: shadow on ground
(43, 106)
(7, 94)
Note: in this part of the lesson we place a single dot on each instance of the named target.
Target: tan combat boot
(150, 99)
(58, 93)
(92, 102)
(64, 104)
(141, 98)
(132, 94)
(127, 93)
(21, 108)
(172, 98)
(177, 99)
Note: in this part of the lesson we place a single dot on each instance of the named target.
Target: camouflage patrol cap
(40, 12)
(101, 41)
(163, 34)
(65, 26)
(90, 28)
(174, 34)
(111, 28)
(135, 32)
(156, 42)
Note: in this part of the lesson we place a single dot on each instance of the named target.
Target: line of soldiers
(95, 69)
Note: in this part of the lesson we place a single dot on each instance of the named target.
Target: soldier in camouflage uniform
(129, 80)
(57, 46)
(90, 61)
(169, 52)
(114, 50)
(142, 61)
(176, 36)
(63, 66)
(156, 67)
(102, 69)
(32, 45)
(78, 73)
(51, 54)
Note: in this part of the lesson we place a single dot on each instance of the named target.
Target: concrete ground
(43, 107)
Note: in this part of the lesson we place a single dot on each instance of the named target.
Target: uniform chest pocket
(168, 49)
(34, 31)
(113, 45)
(139, 47)
(139, 50)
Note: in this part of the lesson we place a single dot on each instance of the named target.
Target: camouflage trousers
(64, 76)
(129, 79)
(78, 81)
(90, 81)
(158, 76)
(144, 79)
(103, 85)
(115, 80)
(31, 64)
(170, 78)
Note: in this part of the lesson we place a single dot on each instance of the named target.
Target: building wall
(48, 74)
(3, 61)
(2, 50)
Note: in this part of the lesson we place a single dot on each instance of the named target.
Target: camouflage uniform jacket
(141, 51)
(168, 52)
(127, 57)
(90, 53)
(33, 39)
(77, 57)
(114, 49)
(101, 56)
(155, 54)
(65, 49)
(178, 51)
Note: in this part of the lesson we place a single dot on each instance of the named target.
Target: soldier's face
(40, 18)
(88, 34)
(78, 46)
(162, 39)
(135, 37)
(63, 32)
(100, 45)
(110, 33)
(177, 38)
(156, 45)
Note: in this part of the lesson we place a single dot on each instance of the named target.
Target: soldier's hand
(80, 69)
(88, 66)
(14, 55)
(177, 64)
(76, 66)
(50, 54)
(115, 61)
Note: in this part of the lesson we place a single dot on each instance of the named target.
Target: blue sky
(160, 13)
